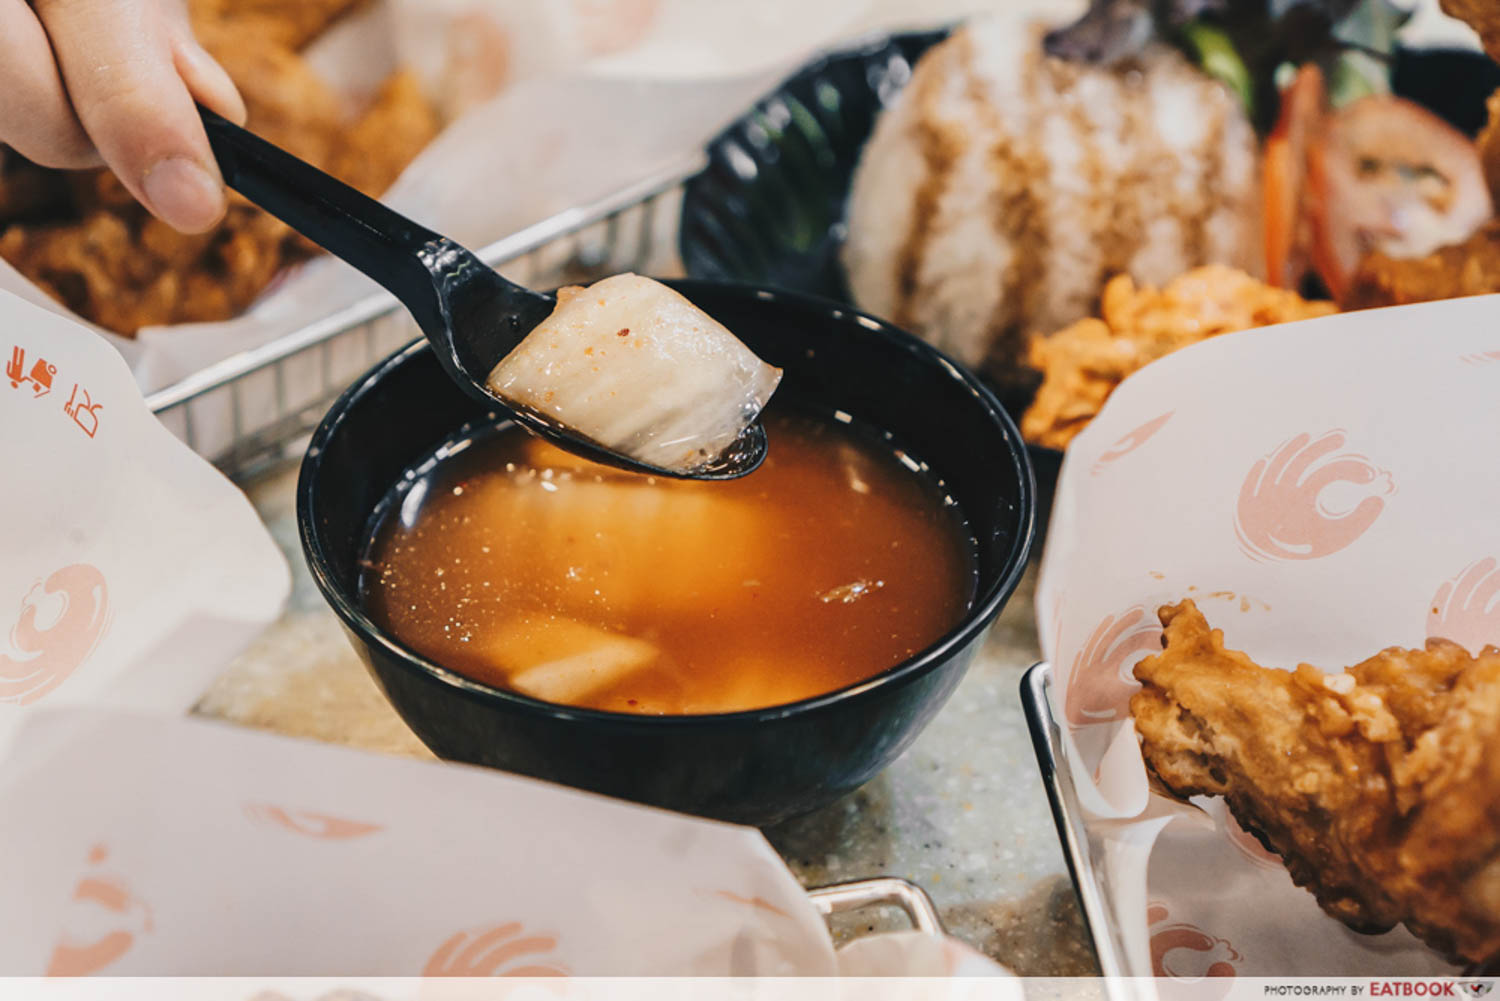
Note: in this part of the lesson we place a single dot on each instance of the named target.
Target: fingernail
(183, 194)
(220, 91)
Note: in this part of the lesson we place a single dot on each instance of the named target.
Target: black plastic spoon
(471, 315)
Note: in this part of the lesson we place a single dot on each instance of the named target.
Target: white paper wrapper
(1319, 488)
(147, 846)
(131, 570)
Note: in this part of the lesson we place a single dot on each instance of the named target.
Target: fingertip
(207, 81)
(132, 81)
(184, 195)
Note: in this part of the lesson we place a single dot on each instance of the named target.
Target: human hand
(85, 82)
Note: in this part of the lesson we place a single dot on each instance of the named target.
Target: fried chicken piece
(1488, 144)
(290, 24)
(392, 130)
(96, 189)
(1083, 363)
(84, 264)
(1379, 787)
(28, 194)
(1481, 15)
(286, 102)
(1468, 268)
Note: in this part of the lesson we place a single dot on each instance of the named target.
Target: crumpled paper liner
(141, 846)
(132, 571)
(1323, 490)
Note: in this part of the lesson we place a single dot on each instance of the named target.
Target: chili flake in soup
(516, 564)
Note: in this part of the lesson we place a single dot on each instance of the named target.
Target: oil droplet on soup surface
(519, 565)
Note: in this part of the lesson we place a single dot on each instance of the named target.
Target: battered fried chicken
(1083, 363)
(1379, 787)
(286, 101)
(291, 24)
(1481, 15)
(373, 152)
(1468, 268)
(1488, 144)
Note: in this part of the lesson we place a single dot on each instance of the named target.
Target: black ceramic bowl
(754, 767)
(769, 208)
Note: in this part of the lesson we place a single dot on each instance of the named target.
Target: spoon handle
(385, 245)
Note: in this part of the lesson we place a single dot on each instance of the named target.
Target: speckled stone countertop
(962, 813)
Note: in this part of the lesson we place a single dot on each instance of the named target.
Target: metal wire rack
(254, 410)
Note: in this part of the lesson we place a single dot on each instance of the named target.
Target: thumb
(121, 72)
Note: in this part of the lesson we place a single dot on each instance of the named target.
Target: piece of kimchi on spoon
(625, 372)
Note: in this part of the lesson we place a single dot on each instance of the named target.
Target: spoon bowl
(470, 315)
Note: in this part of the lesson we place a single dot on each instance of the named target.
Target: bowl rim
(986, 605)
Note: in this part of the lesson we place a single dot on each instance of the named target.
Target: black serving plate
(756, 767)
(769, 208)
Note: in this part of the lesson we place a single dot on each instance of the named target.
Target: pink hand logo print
(322, 826)
(495, 951)
(47, 646)
(1282, 512)
(754, 902)
(1184, 951)
(1131, 441)
(1100, 685)
(1465, 609)
(607, 26)
(113, 918)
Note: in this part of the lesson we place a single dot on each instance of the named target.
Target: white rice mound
(1004, 187)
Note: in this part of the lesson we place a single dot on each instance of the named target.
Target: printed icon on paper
(1101, 684)
(495, 951)
(1132, 440)
(755, 902)
(40, 375)
(1466, 609)
(62, 619)
(85, 412)
(1185, 951)
(1309, 499)
(309, 824)
(103, 923)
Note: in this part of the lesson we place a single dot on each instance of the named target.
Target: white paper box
(130, 570)
(1323, 490)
